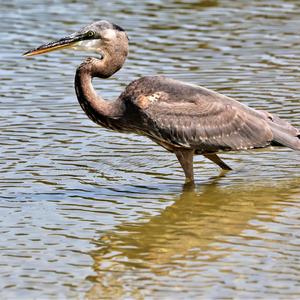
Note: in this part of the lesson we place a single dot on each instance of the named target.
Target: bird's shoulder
(169, 96)
(163, 91)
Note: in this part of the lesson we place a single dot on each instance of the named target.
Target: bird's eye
(90, 33)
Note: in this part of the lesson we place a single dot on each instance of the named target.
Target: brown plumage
(185, 119)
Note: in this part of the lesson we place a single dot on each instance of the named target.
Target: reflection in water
(65, 181)
(195, 230)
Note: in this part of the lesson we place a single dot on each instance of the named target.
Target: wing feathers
(207, 127)
(191, 116)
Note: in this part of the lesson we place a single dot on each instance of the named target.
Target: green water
(91, 214)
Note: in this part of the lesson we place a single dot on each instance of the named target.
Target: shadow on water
(68, 187)
(193, 230)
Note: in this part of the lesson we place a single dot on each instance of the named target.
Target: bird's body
(184, 119)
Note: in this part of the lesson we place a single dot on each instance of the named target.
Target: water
(89, 213)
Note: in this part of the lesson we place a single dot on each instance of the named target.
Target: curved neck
(97, 109)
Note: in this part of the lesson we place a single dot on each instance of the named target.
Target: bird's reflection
(190, 230)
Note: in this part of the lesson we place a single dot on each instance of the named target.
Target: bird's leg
(185, 157)
(217, 160)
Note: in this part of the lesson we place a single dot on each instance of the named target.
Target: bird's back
(174, 90)
(185, 115)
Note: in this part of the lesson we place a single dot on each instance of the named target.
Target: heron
(183, 118)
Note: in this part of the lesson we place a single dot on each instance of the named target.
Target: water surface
(89, 213)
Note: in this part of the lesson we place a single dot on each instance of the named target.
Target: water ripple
(89, 213)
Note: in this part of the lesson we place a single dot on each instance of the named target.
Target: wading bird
(183, 118)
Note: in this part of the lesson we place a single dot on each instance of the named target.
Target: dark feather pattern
(189, 116)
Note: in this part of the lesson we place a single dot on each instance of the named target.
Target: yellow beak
(66, 42)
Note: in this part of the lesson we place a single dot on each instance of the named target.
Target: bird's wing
(202, 123)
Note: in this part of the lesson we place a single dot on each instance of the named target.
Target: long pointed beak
(66, 42)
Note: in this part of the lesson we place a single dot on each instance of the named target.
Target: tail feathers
(284, 133)
(285, 138)
(284, 125)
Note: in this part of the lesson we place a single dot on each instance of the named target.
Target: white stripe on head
(88, 45)
(109, 34)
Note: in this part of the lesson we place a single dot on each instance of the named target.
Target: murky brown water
(88, 213)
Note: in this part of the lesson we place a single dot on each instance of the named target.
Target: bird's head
(102, 37)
